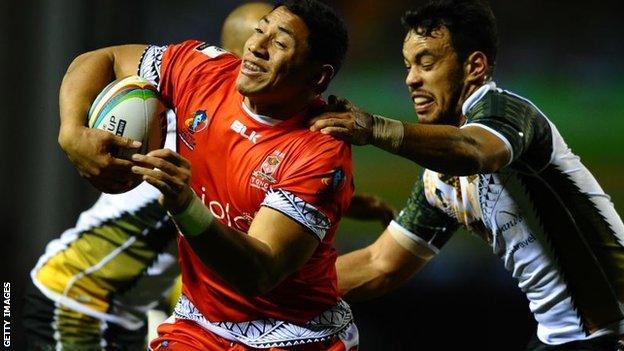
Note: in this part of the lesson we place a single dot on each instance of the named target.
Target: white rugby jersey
(118, 261)
(544, 215)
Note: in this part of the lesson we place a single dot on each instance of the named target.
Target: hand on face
(170, 173)
(92, 153)
(344, 121)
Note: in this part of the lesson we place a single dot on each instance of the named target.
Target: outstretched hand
(370, 207)
(92, 153)
(170, 173)
(342, 120)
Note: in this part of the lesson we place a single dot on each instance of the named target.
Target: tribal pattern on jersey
(299, 210)
(267, 333)
(150, 64)
(544, 215)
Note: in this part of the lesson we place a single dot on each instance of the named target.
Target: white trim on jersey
(420, 241)
(299, 210)
(498, 135)
(476, 96)
(266, 120)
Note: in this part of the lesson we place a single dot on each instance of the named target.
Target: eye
(258, 30)
(280, 44)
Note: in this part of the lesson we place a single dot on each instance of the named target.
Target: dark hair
(328, 39)
(471, 24)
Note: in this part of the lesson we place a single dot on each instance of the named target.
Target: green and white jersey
(544, 215)
(118, 261)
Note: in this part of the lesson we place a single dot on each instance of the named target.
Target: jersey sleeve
(316, 189)
(176, 69)
(508, 118)
(423, 223)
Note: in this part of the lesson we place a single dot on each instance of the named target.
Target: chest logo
(241, 129)
(196, 122)
(263, 177)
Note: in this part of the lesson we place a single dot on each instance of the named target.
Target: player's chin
(247, 87)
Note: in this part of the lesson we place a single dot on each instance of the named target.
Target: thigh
(603, 343)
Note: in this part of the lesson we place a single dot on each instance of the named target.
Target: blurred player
(498, 167)
(95, 283)
(259, 211)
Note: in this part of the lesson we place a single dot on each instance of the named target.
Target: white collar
(260, 118)
(476, 96)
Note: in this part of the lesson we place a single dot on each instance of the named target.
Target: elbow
(257, 285)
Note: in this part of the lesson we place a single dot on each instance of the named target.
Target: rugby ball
(131, 107)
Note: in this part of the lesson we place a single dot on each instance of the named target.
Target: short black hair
(328, 39)
(471, 24)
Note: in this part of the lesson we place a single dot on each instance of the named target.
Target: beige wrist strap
(387, 133)
(195, 219)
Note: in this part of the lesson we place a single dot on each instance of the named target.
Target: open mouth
(422, 103)
(252, 69)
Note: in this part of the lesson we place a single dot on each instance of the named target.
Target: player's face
(274, 62)
(434, 76)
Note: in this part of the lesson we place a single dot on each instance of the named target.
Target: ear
(323, 77)
(476, 68)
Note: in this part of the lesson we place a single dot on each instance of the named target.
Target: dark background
(564, 56)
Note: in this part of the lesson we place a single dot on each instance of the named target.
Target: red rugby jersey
(241, 161)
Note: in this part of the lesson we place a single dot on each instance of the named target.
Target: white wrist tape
(387, 133)
(195, 219)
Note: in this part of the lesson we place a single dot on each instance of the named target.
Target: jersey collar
(476, 96)
(266, 120)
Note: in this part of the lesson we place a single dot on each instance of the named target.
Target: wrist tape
(195, 219)
(387, 133)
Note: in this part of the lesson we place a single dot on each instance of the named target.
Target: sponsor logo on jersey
(210, 50)
(263, 177)
(195, 123)
(241, 129)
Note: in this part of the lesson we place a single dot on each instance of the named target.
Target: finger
(343, 102)
(162, 186)
(330, 122)
(149, 162)
(124, 143)
(174, 185)
(170, 156)
(120, 163)
(326, 116)
(337, 132)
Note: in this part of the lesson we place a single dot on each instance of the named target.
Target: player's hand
(170, 173)
(344, 121)
(370, 207)
(91, 151)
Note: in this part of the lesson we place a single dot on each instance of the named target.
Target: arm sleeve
(175, 69)
(316, 191)
(510, 119)
(423, 223)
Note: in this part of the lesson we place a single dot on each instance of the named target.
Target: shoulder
(501, 103)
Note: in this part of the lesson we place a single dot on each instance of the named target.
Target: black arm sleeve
(424, 221)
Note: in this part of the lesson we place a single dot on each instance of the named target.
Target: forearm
(375, 270)
(87, 75)
(442, 148)
(245, 262)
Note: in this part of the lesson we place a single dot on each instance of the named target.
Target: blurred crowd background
(565, 56)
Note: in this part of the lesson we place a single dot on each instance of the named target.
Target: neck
(281, 111)
(466, 92)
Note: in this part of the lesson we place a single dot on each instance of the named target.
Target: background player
(268, 176)
(497, 166)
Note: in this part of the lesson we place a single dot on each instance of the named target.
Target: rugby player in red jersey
(260, 207)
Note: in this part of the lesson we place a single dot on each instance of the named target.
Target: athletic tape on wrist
(387, 133)
(195, 219)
